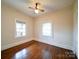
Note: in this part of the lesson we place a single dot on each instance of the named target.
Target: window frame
(51, 29)
(20, 21)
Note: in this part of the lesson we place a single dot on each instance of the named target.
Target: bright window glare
(21, 54)
(20, 29)
(47, 29)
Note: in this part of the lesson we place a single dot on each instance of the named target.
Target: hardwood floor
(37, 50)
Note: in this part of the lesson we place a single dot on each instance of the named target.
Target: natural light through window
(20, 29)
(47, 29)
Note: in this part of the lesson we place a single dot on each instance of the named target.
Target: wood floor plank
(37, 50)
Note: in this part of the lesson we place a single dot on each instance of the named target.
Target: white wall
(8, 17)
(75, 28)
(62, 21)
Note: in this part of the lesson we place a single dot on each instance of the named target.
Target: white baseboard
(54, 45)
(14, 44)
(23, 41)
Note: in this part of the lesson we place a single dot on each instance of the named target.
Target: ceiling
(47, 5)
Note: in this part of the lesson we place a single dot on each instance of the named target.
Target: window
(47, 29)
(20, 29)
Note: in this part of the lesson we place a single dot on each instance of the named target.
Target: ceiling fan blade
(31, 7)
(41, 10)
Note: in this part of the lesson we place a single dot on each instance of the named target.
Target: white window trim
(22, 21)
(51, 30)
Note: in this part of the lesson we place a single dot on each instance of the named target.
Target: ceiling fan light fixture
(36, 11)
(37, 8)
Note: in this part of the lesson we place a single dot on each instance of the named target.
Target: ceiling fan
(36, 8)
